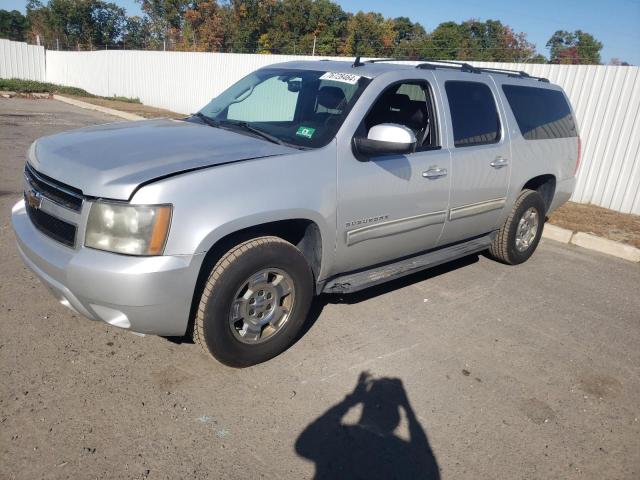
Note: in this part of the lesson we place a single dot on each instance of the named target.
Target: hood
(112, 160)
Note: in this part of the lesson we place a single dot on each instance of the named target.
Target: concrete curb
(556, 233)
(592, 242)
(91, 106)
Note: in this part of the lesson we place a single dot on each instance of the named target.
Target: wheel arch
(302, 232)
(545, 185)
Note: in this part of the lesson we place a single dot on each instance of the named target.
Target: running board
(356, 281)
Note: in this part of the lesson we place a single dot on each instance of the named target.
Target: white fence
(606, 100)
(179, 81)
(19, 60)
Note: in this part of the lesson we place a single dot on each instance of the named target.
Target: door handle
(499, 162)
(435, 172)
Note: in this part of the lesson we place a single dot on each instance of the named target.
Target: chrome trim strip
(59, 211)
(476, 208)
(394, 227)
(61, 208)
(31, 171)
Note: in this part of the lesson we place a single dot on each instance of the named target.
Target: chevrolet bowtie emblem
(34, 199)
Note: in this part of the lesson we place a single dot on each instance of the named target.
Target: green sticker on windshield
(306, 132)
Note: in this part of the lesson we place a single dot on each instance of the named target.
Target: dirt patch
(537, 411)
(129, 107)
(599, 385)
(620, 227)
(169, 377)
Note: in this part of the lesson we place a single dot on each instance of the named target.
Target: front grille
(53, 227)
(55, 191)
(42, 194)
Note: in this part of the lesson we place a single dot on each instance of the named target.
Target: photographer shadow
(369, 449)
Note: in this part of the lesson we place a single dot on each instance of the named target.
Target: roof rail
(465, 67)
(513, 73)
(428, 64)
(432, 64)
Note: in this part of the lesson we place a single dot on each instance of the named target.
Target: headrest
(331, 97)
(399, 101)
(417, 113)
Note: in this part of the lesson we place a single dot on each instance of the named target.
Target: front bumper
(144, 294)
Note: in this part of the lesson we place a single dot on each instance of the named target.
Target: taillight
(579, 157)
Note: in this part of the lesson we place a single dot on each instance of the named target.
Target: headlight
(128, 229)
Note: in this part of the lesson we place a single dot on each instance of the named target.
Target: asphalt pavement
(474, 370)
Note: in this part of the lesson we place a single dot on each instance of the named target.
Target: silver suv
(302, 178)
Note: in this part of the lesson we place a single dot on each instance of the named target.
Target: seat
(329, 104)
(399, 108)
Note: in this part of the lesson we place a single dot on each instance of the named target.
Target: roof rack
(513, 73)
(431, 64)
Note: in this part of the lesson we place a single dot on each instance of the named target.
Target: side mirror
(386, 139)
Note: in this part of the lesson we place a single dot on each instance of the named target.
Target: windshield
(303, 108)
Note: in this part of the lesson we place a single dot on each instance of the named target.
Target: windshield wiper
(208, 120)
(235, 123)
(257, 131)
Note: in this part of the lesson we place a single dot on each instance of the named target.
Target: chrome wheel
(527, 229)
(262, 305)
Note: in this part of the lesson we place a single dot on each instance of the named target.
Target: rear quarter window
(541, 113)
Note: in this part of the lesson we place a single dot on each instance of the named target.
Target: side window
(413, 91)
(258, 104)
(541, 113)
(473, 113)
(407, 104)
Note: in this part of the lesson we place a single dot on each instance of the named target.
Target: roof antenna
(357, 62)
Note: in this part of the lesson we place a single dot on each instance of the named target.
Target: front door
(395, 205)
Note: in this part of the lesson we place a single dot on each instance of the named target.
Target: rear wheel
(254, 303)
(520, 234)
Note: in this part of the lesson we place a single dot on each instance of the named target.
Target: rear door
(480, 155)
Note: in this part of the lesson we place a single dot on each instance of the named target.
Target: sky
(616, 23)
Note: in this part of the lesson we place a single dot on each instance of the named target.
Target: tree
(165, 18)
(136, 33)
(75, 22)
(108, 22)
(574, 48)
(444, 42)
(203, 27)
(369, 34)
(538, 58)
(247, 21)
(406, 30)
(475, 40)
(617, 62)
(328, 24)
(13, 25)
(409, 37)
(295, 24)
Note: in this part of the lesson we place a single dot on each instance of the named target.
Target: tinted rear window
(541, 113)
(473, 113)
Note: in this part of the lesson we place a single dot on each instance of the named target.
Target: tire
(508, 246)
(247, 279)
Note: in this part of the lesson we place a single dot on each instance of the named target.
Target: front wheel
(255, 302)
(520, 234)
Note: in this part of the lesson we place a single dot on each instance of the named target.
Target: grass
(620, 227)
(31, 86)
